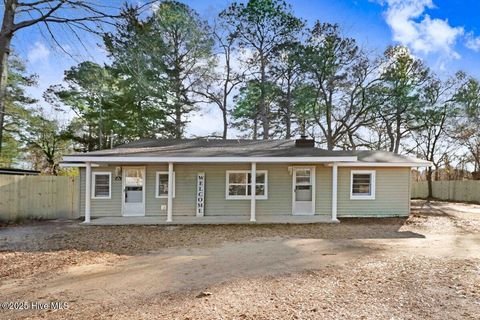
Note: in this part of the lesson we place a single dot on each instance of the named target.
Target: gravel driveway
(426, 266)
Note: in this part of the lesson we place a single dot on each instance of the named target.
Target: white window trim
(372, 185)
(257, 197)
(157, 184)
(94, 174)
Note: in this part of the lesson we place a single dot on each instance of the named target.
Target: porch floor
(177, 220)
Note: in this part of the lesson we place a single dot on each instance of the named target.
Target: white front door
(303, 191)
(133, 191)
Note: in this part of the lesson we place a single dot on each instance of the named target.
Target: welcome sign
(200, 194)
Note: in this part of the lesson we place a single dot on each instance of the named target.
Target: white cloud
(206, 122)
(417, 30)
(38, 53)
(154, 7)
(472, 42)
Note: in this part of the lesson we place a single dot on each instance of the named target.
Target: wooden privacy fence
(456, 190)
(38, 197)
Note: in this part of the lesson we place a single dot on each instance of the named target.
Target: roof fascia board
(99, 159)
(75, 165)
(384, 164)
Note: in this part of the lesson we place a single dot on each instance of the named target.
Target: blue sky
(445, 33)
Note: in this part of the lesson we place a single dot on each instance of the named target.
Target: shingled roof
(238, 148)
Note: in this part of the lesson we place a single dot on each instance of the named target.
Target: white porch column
(334, 191)
(253, 191)
(88, 190)
(170, 192)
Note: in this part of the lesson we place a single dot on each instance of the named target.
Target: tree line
(268, 73)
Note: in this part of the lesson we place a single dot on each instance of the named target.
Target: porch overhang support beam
(88, 190)
(334, 191)
(253, 192)
(170, 193)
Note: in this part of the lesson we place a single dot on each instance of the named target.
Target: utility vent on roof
(303, 142)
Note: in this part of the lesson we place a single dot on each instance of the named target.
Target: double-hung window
(239, 184)
(362, 185)
(102, 185)
(161, 189)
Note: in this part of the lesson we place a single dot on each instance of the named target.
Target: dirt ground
(423, 267)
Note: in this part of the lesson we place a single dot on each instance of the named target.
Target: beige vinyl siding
(184, 203)
(215, 184)
(102, 207)
(279, 200)
(153, 204)
(392, 194)
(323, 190)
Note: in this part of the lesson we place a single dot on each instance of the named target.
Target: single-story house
(211, 181)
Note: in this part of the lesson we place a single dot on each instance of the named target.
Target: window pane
(260, 190)
(102, 179)
(303, 180)
(361, 184)
(237, 190)
(102, 185)
(260, 177)
(163, 184)
(303, 172)
(361, 189)
(240, 178)
(361, 178)
(133, 177)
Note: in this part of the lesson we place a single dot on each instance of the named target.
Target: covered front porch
(302, 178)
(182, 220)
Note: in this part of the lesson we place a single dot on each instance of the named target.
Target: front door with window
(303, 191)
(133, 191)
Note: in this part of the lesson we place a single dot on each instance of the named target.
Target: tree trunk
(178, 105)
(100, 127)
(6, 35)
(330, 143)
(398, 133)
(263, 105)
(225, 124)
(329, 137)
(353, 145)
(430, 183)
(391, 137)
(288, 113)
(178, 121)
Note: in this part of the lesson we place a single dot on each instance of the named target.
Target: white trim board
(257, 197)
(157, 185)
(99, 159)
(373, 182)
(384, 164)
(76, 165)
(94, 178)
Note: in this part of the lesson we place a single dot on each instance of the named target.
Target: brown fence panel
(38, 197)
(468, 190)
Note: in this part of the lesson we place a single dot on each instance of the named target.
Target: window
(161, 189)
(362, 185)
(102, 185)
(239, 185)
